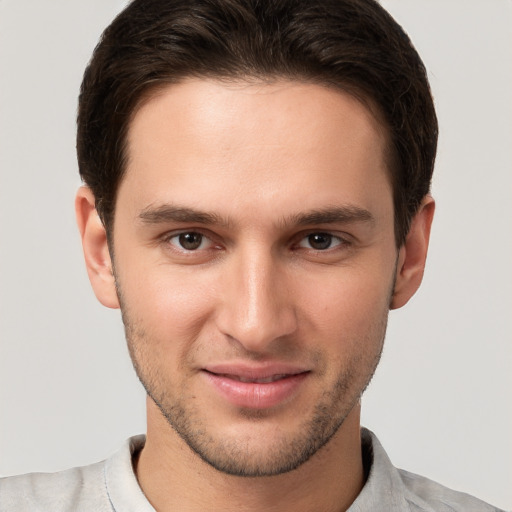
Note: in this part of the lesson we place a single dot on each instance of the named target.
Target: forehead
(198, 104)
(214, 144)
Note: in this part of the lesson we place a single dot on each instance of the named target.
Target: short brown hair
(353, 45)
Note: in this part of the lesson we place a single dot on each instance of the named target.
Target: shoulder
(394, 489)
(425, 494)
(101, 487)
(77, 489)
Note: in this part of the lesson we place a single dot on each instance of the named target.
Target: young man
(257, 198)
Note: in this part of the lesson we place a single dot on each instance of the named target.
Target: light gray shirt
(111, 486)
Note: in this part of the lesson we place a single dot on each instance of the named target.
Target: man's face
(255, 258)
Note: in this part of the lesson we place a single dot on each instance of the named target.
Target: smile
(262, 380)
(255, 388)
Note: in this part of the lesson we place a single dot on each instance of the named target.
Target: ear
(95, 246)
(413, 254)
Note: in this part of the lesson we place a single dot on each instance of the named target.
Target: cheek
(348, 306)
(168, 305)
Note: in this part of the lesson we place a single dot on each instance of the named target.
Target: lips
(255, 387)
(262, 380)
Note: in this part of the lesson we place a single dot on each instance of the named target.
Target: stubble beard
(234, 456)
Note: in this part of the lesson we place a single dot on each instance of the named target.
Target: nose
(257, 308)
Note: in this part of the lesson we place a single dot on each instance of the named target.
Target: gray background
(440, 401)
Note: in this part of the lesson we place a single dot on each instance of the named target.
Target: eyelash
(169, 237)
(339, 242)
(332, 238)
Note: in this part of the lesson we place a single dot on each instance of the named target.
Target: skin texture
(253, 230)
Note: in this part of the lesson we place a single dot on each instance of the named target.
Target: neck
(175, 478)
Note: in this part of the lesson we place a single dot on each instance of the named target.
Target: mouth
(256, 387)
(254, 380)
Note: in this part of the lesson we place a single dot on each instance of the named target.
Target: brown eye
(190, 241)
(320, 241)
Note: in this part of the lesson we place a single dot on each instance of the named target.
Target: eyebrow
(170, 213)
(330, 215)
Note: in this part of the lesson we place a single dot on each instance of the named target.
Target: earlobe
(413, 254)
(95, 247)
